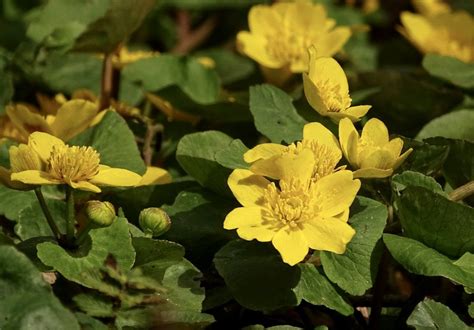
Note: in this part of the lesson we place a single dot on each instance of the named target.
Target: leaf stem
(462, 192)
(106, 87)
(70, 215)
(379, 290)
(47, 214)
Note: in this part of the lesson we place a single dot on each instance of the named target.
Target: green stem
(47, 214)
(70, 215)
(83, 233)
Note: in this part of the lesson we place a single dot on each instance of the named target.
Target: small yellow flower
(431, 7)
(448, 34)
(71, 118)
(78, 167)
(372, 153)
(9, 131)
(281, 34)
(278, 162)
(296, 215)
(327, 90)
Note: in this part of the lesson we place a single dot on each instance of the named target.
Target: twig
(151, 131)
(107, 81)
(189, 39)
(462, 192)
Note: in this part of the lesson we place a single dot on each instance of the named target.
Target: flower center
(331, 94)
(73, 164)
(325, 157)
(288, 206)
(288, 47)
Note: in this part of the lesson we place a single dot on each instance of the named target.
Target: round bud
(154, 221)
(102, 214)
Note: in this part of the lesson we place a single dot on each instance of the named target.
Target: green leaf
(201, 84)
(32, 222)
(256, 276)
(197, 219)
(450, 69)
(233, 156)
(26, 300)
(454, 125)
(115, 142)
(355, 270)
(210, 4)
(426, 158)
(316, 289)
(90, 323)
(437, 222)
(422, 260)
(432, 315)
(274, 114)
(94, 304)
(114, 240)
(122, 18)
(196, 154)
(13, 201)
(409, 178)
(230, 66)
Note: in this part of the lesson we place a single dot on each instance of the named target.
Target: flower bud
(154, 221)
(102, 214)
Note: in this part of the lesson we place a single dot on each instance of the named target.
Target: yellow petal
(402, 158)
(348, 138)
(23, 158)
(316, 131)
(322, 69)
(73, 117)
(298, 166)
(336, 192)
(357, 111)
(314, 96)
(254, 46)
(263, 20)
(247, 187)
(5, 179)
(417, 29)
(43, 144)
(155, 175)
(375, 133)
(279, 76)
(249, 224)
(292, 245)
(263, 151)
(267, 167)
(97, 119)
(34, 177)
(328, 234)
(332, 42)
(116, 177)
(84, 185)
(382, 159)
(372, 173)
(26, 121)
(343, 216)
(394, 147)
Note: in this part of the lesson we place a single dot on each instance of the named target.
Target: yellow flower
(327, 90)
(431, 7)
(9, 131)
(71, 118)
(279, 162)
(372, 153)
(154, 175)
(78, 167)
(448, 34)
(280, 34)
(296, 215)
(22, 158)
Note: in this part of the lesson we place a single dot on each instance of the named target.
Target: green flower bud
(102, 214)
(154, 221)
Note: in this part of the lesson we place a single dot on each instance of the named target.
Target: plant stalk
(70, 215)
(462, 192)
(47, 214)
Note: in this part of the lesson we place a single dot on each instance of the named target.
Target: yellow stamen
(73, 164)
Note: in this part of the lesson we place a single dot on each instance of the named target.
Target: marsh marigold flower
(279, 162)
(22, 158)
(448, 34)
(296, 215)
(78, 167)
(71, 118)
(327, 90)
(281, 34)
(372, 153)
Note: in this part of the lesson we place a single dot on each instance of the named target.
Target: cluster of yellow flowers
(440, 30)
(298, 196)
